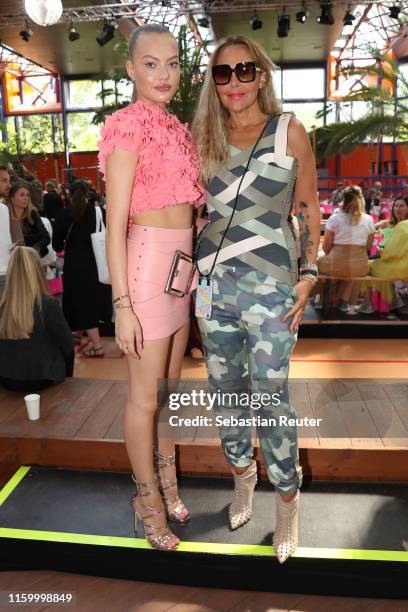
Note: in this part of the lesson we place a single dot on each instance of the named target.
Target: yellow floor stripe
(206, 547)
(13, 482)
(195, 547)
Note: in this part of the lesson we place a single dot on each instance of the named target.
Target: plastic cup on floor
(33, 406)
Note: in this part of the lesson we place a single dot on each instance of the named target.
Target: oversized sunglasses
(244, 71)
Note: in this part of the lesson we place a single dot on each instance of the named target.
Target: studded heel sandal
(240, 510)
(285, 537)
(180, 513)
(161, 538)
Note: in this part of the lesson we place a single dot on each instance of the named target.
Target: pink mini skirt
(150, 253)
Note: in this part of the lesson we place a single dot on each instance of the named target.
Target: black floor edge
(307, 576)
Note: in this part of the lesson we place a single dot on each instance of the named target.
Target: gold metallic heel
(240, 510)
(285, 537)
(178, 515)
(161, 538)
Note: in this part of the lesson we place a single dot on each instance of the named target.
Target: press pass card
(203, 301)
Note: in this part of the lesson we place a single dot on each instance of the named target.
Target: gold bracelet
(120, 298)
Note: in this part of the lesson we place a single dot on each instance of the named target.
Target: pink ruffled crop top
(168, 170)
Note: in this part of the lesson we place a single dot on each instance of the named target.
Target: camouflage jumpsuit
(247, 346)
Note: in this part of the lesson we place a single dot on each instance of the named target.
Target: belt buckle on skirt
(181, 274)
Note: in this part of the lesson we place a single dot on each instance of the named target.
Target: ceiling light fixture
(326, 15)
(108, 32)
(303, 14)
(394, 11)
(72, 33)
(27, 32)
(203, 22)
(256, 23)
(44, 12)
(348, 17)
(283, 26)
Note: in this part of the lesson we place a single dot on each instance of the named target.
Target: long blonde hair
(353, 203)
(209, 127)
(25, 286)
(28, 212)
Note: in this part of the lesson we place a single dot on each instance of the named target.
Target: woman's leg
(139, 421)
(95, 339)
(166, 445)
(226, 355)
(270, 345)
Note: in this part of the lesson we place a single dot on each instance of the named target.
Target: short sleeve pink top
(168, 170)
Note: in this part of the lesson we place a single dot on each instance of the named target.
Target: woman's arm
(120, 171)
(307, 212)
(382, 224)
(305, 200)
(370, 241)
(328, 240)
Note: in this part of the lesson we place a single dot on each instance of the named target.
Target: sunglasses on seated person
(244, 71)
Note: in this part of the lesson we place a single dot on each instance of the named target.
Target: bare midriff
(179, 216)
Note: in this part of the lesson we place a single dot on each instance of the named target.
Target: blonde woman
(25, 222)
(36, 346)
(251, 155)
(348, 237)
(151, 170)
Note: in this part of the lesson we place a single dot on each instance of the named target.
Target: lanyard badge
(203, 298)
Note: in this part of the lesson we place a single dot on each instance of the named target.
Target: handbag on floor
(99, 248)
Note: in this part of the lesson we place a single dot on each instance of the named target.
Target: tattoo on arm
(306, 244)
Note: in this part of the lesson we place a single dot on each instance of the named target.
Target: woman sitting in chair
(348, 237)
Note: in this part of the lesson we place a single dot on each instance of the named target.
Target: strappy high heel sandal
(161, 538)
(179, 514)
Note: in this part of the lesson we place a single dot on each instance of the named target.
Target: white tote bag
(99, 249)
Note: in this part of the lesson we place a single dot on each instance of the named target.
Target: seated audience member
(348, 236)
(337, 195)
(36, 346)
(391, 266)
(399, 212)
(374, 197)
(25, 222)
(52, 201)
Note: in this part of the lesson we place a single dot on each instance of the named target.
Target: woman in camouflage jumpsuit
(258, 296)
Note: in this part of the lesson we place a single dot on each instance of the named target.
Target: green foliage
(385, 117)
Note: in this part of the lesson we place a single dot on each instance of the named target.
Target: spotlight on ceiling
(303, 14)
(326, 15)
(72, 33)
(283, 26)
(203, 22)
(394, 11)
(348, 18)
(27, 32)
(256, 23)
(108, 32)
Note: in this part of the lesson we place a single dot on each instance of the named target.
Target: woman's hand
(128, 332)
(303, 289)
